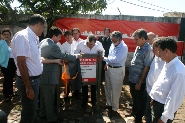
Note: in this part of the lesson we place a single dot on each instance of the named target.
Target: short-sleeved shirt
(26, 43)
(83, 48)
(142, 57)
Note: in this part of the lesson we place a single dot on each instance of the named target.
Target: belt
(157, 102)
(30, 77)
(114, 66)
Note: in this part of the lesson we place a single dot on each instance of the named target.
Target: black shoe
(7, 99)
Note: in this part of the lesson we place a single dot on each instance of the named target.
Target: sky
(127, 7)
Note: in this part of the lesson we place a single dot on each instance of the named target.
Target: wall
(175, 20)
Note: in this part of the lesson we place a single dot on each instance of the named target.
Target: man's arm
(21, 63)
(142, 78)
(56, 52)
(49, 61)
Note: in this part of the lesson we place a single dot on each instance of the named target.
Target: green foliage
(52, 9)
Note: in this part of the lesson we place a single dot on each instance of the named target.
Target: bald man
(151, 36)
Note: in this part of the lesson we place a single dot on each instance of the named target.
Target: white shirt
(69, 48)
(154, 72)
(61, 48)
(84, 49)
(77, 41)
(26, 43)
(10, 51)
(169, 89)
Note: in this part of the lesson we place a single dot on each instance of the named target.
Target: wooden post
(99, 68)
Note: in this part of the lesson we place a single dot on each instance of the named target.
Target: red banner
(95, 26)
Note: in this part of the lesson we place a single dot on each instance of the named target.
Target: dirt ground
(71, 111)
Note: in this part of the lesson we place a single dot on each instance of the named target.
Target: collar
(120, 44)
(69, 43)
(79, 39)
(31, 31)
(173, 61)
(145, 46)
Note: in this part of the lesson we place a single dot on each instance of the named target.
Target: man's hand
(160, 121)
(30, 93)
(105, 67)
(79, 56)
(137, 86)
(151, 103)
(58, 61)
(101, 58)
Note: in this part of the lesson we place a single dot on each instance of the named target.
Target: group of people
(156, 78)
(155, 75)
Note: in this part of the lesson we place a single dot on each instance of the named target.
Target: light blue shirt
(4, 54)
(117, 55)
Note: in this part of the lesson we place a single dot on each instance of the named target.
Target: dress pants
(9, 74)
(85, 93)
(139, 101)
(113, 86)
(157, 110)
(47, 100)
(148, 109)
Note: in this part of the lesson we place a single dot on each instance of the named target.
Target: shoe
(114, 114)
(7, 99)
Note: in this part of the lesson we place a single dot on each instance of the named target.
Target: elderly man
(151, 36)
(115, 70)
(153, 74)
(169, 90)
(89, 46)
(138, 70)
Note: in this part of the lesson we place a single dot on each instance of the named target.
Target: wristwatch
(139, 82)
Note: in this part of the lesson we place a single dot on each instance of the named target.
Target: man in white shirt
(153, 74)
(89, 46)
(27, 57)
(69, 47)
(168, 91)
(76, 35)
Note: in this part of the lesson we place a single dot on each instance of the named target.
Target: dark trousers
(139, 101)
(9, 74)
(148, 109)
(103, 71)
(157, 111)
(85, 93)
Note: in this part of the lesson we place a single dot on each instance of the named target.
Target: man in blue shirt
(139, 68)
(115, 71)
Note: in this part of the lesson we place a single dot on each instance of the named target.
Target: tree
(53, 9)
